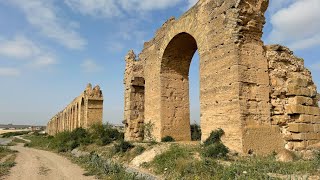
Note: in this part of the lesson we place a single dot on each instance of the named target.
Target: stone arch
(174, 80)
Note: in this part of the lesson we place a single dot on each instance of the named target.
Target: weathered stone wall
(83, 111)
(235, 90)
(294, 98)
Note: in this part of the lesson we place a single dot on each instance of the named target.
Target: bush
(167, 139)
(139, 150)
(195, 132)
(213, 146)
(216, 150)
(214, 137)
(122, 146)
(105, 134)
(67, 141)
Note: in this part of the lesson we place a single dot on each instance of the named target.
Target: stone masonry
(83, 111)
(261, 96)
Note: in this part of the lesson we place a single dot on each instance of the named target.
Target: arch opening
(82, 119)
(174, 74)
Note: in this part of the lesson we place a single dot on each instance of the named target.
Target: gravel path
(38, 165)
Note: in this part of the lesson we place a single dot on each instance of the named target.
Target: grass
(103, 169)
(11, 134)
(207, 161)
(7, 158)
(180, 162)
(66, 141)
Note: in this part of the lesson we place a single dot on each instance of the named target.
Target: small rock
(78, 153)
(285, 156)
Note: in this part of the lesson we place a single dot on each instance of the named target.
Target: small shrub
(167, 139)
(213, 146)
(104, 134)
(139, 150)
(122, 146)
(216, 150)
(195, 132)
(214, 137)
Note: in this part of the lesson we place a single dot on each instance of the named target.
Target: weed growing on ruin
(167, 139)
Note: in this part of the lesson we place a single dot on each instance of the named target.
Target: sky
(51, 49)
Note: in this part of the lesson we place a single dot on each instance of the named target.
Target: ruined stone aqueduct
(83, 111)
(261, 96)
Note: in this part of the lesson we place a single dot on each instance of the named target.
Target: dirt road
(38, 165)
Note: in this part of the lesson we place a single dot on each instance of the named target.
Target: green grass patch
(67, 141)
(181, 162)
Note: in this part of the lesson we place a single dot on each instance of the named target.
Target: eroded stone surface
(294, 98)
(83, 111)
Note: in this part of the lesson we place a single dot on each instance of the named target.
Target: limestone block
(300, 127)
(300, 91)
(300, 109)
(299, 136)
(312, 136)
(301, 100)
(298, 81)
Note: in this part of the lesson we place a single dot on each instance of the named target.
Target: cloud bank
(296, 25)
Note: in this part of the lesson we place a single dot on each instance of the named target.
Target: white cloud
(99, 8)
(22, 48)
(297, 25)
(44, 16)
(89, 66)
(4, 71)
(146, 5)
(18, 48)
(113, 8)
(275, 5)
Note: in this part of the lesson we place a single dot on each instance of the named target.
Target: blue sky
(50, 49)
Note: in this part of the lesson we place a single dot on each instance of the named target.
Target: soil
(38, 165)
